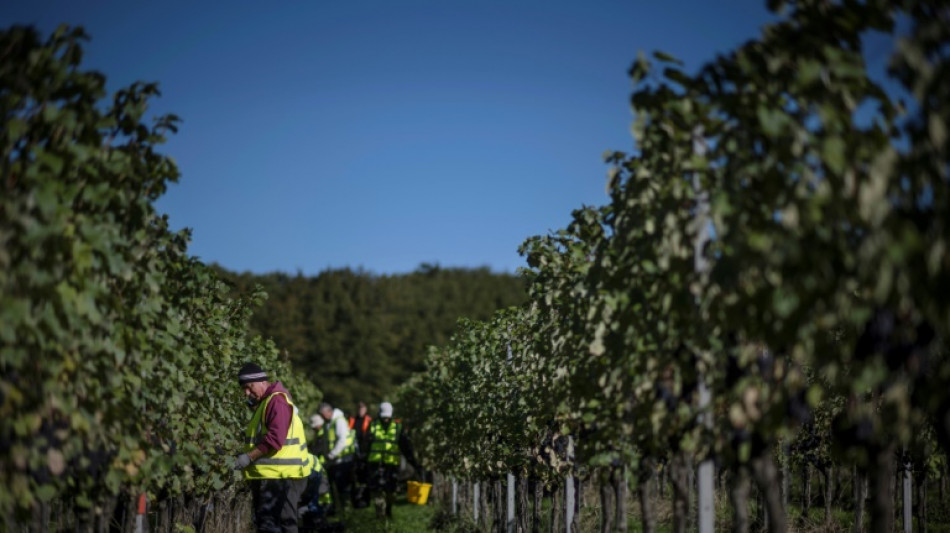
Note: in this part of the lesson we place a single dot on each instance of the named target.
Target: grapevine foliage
(818, 301)
(118, 351)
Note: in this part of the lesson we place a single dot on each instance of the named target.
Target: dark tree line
(358, 335)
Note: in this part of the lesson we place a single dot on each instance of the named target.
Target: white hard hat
(385, 410)
(316, 421)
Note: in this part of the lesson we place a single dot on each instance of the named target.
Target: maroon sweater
(276, 419)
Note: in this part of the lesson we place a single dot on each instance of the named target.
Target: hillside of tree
(358, 335)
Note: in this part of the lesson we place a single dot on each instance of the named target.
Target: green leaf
(663, 56)
(45, 493)
(773, 121)
(833, 154)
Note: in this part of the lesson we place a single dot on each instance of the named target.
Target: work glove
(241, 461)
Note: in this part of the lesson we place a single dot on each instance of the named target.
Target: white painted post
(568, 503)
(140, 514)
(706, 489)
(511, 503)
(706, 522)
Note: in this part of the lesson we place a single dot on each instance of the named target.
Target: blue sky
(384, 134)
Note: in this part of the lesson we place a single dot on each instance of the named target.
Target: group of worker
(361, 455)
(345, 460)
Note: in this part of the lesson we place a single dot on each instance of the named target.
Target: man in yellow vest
(386, 441)
(275, 461)
(318, 485)
(340, 455)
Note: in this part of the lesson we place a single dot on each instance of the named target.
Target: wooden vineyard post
(475, 496)
(455, 497)
(510, 518)
(908, 499)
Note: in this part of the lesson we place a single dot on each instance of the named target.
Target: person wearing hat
(317, 494)
(318, 444)
(276, 461)
(386, 442)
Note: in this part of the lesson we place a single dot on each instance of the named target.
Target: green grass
(407, 518)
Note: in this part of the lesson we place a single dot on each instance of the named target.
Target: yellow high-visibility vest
(317, 464)
(292, 460)
(384, 448)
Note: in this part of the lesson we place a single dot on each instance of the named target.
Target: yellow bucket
(418, 492)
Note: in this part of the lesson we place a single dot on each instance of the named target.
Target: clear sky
(384, 134)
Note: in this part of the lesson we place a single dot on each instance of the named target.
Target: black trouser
(383, 480)
(361, 478)
(341, 476)
(275, 504)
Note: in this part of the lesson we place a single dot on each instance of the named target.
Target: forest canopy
(358, 335)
